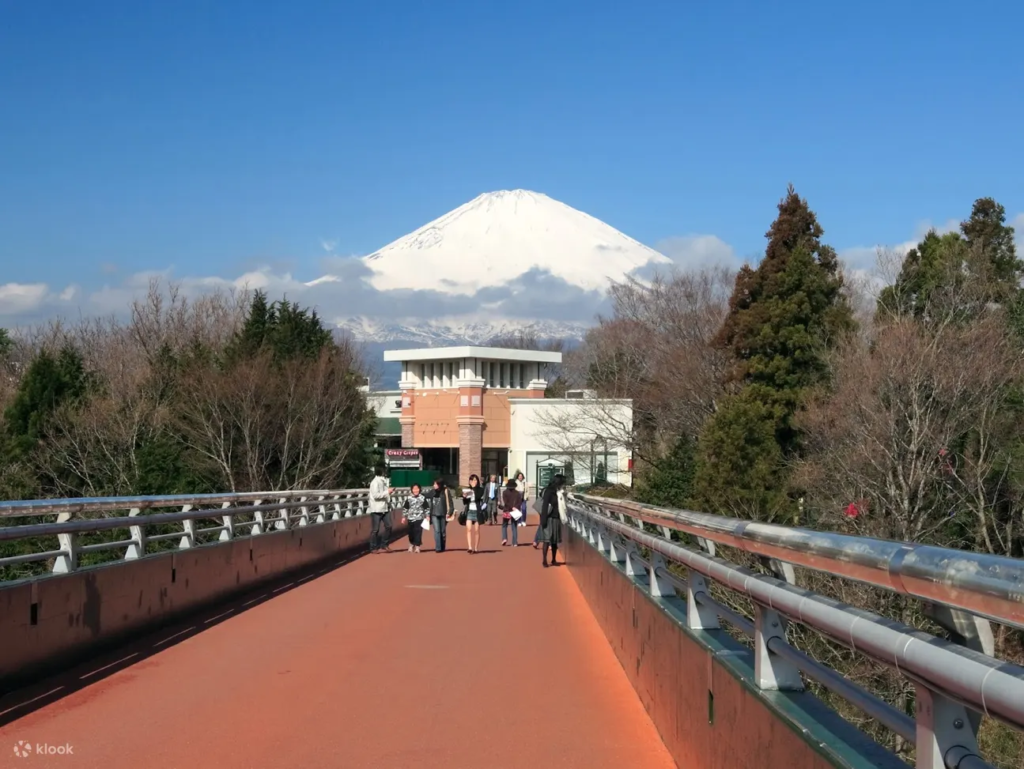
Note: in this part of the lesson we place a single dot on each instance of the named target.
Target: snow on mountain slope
(499, 236)
(454, 331)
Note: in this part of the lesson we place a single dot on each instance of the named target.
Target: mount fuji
(484, 257)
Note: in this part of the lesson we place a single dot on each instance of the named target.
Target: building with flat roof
(458, 408)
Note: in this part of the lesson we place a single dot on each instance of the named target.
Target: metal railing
(146, 525)
(954, 685)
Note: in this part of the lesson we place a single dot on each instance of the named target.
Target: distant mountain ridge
(498, 243)
(438, 333)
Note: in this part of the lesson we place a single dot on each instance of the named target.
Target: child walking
(416, 509)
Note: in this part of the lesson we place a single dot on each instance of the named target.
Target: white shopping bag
(426, 524)
(516, 514)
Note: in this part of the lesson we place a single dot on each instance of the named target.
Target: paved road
(395, 660)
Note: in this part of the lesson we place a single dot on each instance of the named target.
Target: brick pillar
(408, 421)
(408, 432)
(471, 432)
(471, 441)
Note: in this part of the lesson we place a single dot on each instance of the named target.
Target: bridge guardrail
(239, 514)
(954, 685)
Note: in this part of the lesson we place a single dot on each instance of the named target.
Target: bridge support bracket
(137, 547)
(660, 586)
(943, 730)
(771, 671)
(698, 615)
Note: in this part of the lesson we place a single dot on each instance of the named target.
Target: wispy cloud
(342, 289)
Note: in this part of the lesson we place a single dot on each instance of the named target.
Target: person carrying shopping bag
(511, 499)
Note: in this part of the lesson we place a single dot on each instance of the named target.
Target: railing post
(942, 726)
(616, 550)
(699, 616)
(321, 516)
(660, 587)
(228, 532)
(137, 547)
(259, 524)
(349, 506)
(634, 566)
(771, 671)
(603, 539)
(284, 520)
(338, 514)
(68, 560)
(707, 545)
(188, 537)
(304, 513)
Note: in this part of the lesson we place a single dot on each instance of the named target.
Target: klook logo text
(25, 749)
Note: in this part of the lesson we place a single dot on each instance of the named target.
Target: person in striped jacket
(417, 507)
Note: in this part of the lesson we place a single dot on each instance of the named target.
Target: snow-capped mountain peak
(499, 236)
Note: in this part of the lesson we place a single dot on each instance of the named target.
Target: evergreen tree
(284, 329)
(957, 275)
(669, 480)
(987, 233)
(783, 318)
(6, 344)
(784, 314)
(49, 382)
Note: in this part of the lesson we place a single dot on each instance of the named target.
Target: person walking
(552, 510)
(417, 508)
(524, 488)
(510, 500)
(474, 502)
(441, 508)
(493, 498)
(380, 512)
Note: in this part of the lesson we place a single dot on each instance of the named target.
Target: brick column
(408, 421)
(471, 432)
(471, 441)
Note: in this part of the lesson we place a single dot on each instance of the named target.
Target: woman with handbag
(552, 511)
(510, 500)
(473, 499)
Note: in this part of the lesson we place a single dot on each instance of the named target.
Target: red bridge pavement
(394, 660)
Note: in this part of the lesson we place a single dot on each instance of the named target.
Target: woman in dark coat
(550, 520)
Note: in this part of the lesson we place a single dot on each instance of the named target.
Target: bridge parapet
(94, 571)
(675, 619)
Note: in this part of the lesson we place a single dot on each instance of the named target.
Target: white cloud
(690, 251)
(20, 298)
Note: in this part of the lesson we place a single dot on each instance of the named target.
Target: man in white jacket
(380, 512)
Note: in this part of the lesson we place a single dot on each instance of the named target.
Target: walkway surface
(392, 660)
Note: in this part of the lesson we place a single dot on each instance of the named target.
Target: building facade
(586, 439)
(482, 410)
(455, 403)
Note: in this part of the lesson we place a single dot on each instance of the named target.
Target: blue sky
(217, 138)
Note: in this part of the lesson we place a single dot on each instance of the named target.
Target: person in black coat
(550, 520)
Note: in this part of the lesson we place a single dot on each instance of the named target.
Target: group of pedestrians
(434, 508)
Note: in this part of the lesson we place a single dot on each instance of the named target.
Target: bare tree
(657, 351)
(267, 427)
(884, 438)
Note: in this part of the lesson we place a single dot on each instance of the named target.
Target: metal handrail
(940, 669)
(25, 508)
(987, 585)
(76, 517)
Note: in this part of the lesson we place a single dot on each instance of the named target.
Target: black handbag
(462, 518)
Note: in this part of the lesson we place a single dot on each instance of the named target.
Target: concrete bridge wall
(52, 621)
(698, 686)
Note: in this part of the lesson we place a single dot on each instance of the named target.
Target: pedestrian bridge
(253, 630)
